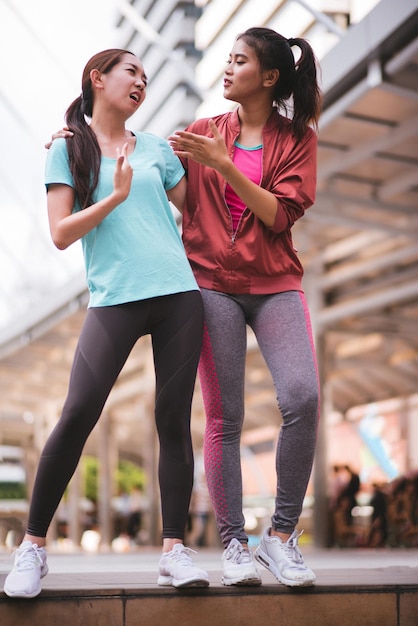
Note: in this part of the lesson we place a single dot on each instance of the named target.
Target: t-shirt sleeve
(174, 171)
(57, 166)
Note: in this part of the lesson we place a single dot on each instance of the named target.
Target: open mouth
(134, 97)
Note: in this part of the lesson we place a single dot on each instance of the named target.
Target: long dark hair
(83, 148)
(297, 80)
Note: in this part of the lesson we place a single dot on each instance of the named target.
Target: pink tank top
(249, 162)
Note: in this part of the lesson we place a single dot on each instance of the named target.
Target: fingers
(184, 136)
(214, 128)
(61, 134)
(122, 153)
(183, 141)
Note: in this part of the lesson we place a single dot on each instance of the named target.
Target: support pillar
(107, 454)
(315, 299)
(73, 508)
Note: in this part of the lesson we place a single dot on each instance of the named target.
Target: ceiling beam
(362, 151)
(333, 314)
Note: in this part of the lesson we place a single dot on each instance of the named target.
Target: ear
(271, 77)
(96, 79)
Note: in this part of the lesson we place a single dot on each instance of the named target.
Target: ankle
(40, 541)
(276, 533)
(168, 544)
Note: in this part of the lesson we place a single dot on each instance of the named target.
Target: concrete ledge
(364, 597)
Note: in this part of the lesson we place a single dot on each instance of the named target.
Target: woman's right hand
(122, 177)
(64, 132)
(66, 226)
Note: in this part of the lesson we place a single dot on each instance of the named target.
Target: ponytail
(306, 92)
(297, 80)
(83, 151)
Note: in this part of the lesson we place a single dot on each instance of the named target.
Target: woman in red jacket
(251, 174)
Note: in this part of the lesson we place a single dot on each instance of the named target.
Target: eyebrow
(239, 54)
(136, 68)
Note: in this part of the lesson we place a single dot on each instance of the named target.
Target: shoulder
(279, 126)
(57, 165)
(57, 154)
(201, 126)
(150, 139)
(278, 123)
(58, 146)
(151, 143)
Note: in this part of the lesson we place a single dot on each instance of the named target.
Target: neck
(110, 133)
(254, 116)
(108, 126)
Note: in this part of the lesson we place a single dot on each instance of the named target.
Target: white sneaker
(24, 581)
(239, 567)
(284, 560)
(178, 570)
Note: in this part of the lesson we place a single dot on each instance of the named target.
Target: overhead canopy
(358, 244)
(362, 235)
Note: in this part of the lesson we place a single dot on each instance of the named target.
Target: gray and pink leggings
(281, 324)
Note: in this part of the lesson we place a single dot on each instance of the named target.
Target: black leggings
(108, 335)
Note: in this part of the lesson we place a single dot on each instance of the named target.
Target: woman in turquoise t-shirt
(110, 187)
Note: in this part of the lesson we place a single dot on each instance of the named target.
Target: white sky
(44, 45)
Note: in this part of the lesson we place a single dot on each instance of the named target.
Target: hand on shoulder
(63, 133)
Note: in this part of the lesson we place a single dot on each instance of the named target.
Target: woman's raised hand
(122, 177)
(210, 151)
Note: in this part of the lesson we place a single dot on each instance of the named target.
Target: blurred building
(358, 245)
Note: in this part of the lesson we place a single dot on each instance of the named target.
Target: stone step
(383, 596)
(354, 588)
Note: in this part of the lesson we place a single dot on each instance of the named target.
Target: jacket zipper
(234, 233)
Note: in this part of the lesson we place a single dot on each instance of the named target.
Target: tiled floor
(333, 566)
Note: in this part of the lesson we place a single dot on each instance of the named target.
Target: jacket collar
(272, 123)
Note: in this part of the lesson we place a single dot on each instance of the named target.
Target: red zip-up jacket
(255, 259)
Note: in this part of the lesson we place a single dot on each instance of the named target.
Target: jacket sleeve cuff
(281, 222)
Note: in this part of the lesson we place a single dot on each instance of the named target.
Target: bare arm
(212, 152)
(177, 195)
(67, 227)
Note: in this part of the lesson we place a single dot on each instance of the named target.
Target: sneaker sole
(270, 565)
(242, 582)
(22, 594)
(169, 581)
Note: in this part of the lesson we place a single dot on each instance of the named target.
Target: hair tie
(291, 41)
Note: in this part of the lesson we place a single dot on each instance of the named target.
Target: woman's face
(243, 78)
(125, 84)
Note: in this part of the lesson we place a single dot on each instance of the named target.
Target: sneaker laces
(182, 557)
(238, 554)
(27, 558)
(291, 548)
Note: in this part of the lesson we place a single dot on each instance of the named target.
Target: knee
(302, 405)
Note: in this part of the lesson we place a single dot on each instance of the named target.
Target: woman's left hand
(210, 151)
(64, 133)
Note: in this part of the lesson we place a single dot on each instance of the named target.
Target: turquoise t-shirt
(136, 252)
